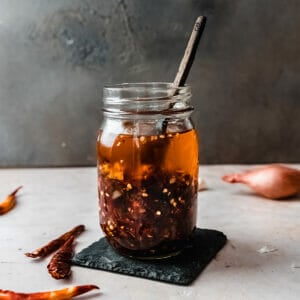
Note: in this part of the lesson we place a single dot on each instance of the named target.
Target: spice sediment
(148, 202)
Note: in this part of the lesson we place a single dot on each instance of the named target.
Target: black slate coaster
(181, 269)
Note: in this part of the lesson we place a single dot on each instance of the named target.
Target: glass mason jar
(147, 151)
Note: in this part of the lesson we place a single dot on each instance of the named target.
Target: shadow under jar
(147, 151)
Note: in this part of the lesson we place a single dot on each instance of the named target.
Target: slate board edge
(76, 261)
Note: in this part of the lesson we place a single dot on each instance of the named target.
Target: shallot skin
(272, 181)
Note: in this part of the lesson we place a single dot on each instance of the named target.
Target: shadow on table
(252, 194)
(91, 296)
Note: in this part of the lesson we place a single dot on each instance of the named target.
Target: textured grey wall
(56, 55)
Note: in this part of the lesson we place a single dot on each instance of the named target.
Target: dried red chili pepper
(60, 264)
(55, 244)
(62, 294)
(9, 202)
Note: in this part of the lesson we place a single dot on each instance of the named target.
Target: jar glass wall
(147, 151)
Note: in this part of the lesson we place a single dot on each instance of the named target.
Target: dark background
(56, 55)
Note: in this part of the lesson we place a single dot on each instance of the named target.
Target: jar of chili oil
(147, 159)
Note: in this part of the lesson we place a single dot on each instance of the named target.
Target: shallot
(272, 181)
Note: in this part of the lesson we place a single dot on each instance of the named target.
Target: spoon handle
(189, 54)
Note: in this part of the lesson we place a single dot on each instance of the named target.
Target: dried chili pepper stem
(62, 294)
(60, 264)
(56, 244)
(9, 202)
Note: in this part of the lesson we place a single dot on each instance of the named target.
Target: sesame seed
(182, 201)
(145, 195)
(161, 136)
(153, 138)
(107, 194)
(165, 190)
(116, 194)
(158, 212)
(118, 144)
(172, 180)
(128, 187)
(173, 202)
(143, 139)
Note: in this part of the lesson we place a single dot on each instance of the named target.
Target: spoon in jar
(186, 62)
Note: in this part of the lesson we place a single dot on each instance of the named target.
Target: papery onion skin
(272, 181)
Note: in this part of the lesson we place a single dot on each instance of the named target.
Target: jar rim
(146, 98)
(131, 86)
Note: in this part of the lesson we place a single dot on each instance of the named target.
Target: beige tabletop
(260, 261)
